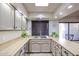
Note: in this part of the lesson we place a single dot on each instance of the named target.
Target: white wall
(9, 35)
(53, 27)
(29, 27)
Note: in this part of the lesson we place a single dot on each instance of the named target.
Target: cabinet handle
(20, 51)
(66, 53)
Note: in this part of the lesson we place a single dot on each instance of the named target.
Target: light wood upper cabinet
(18, 18)
(6, 17)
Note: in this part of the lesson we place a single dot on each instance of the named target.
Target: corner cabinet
(6, 17)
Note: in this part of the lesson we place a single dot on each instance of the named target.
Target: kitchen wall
(53, 26)
(9, 35)
(29, 27)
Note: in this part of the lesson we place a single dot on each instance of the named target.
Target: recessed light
(40, 16)
(61, 13)
(41, 4)
(70, 6)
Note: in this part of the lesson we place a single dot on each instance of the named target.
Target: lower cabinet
(66, 53)
(45, 47)
(53, 47)
(18, 53)
(58, 50)
(35, 47)
(39, 45)
(22, 50)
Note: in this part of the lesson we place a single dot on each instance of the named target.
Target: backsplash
(9, 35)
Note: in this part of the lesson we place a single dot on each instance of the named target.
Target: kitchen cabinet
(20, 52)
(45, 47)
(53, 47)
(39, 45)
(35, 47)
(6, 17)
(66, 53)
(23, 23)
(26, 47)
(23, 50)
(58, 50)
(18, 18)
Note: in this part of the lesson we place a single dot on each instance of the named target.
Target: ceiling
(75, 14)
(51, 8)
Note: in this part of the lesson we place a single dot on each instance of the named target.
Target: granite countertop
(71, 46)
(10, 48)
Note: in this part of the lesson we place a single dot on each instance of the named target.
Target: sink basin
(40, 36)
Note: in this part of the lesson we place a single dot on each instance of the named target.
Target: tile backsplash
(9, 35)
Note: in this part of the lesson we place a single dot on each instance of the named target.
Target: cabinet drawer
(66, 53)
(39, 41)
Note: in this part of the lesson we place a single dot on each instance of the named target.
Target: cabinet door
(18, 18)
(58, 50)
(26, 47)
(66, 53)
(53, 47)
(35, 47)
(45, 47)
(23, 23)
(6, 17)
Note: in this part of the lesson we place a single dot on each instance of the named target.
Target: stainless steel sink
(40, 36)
